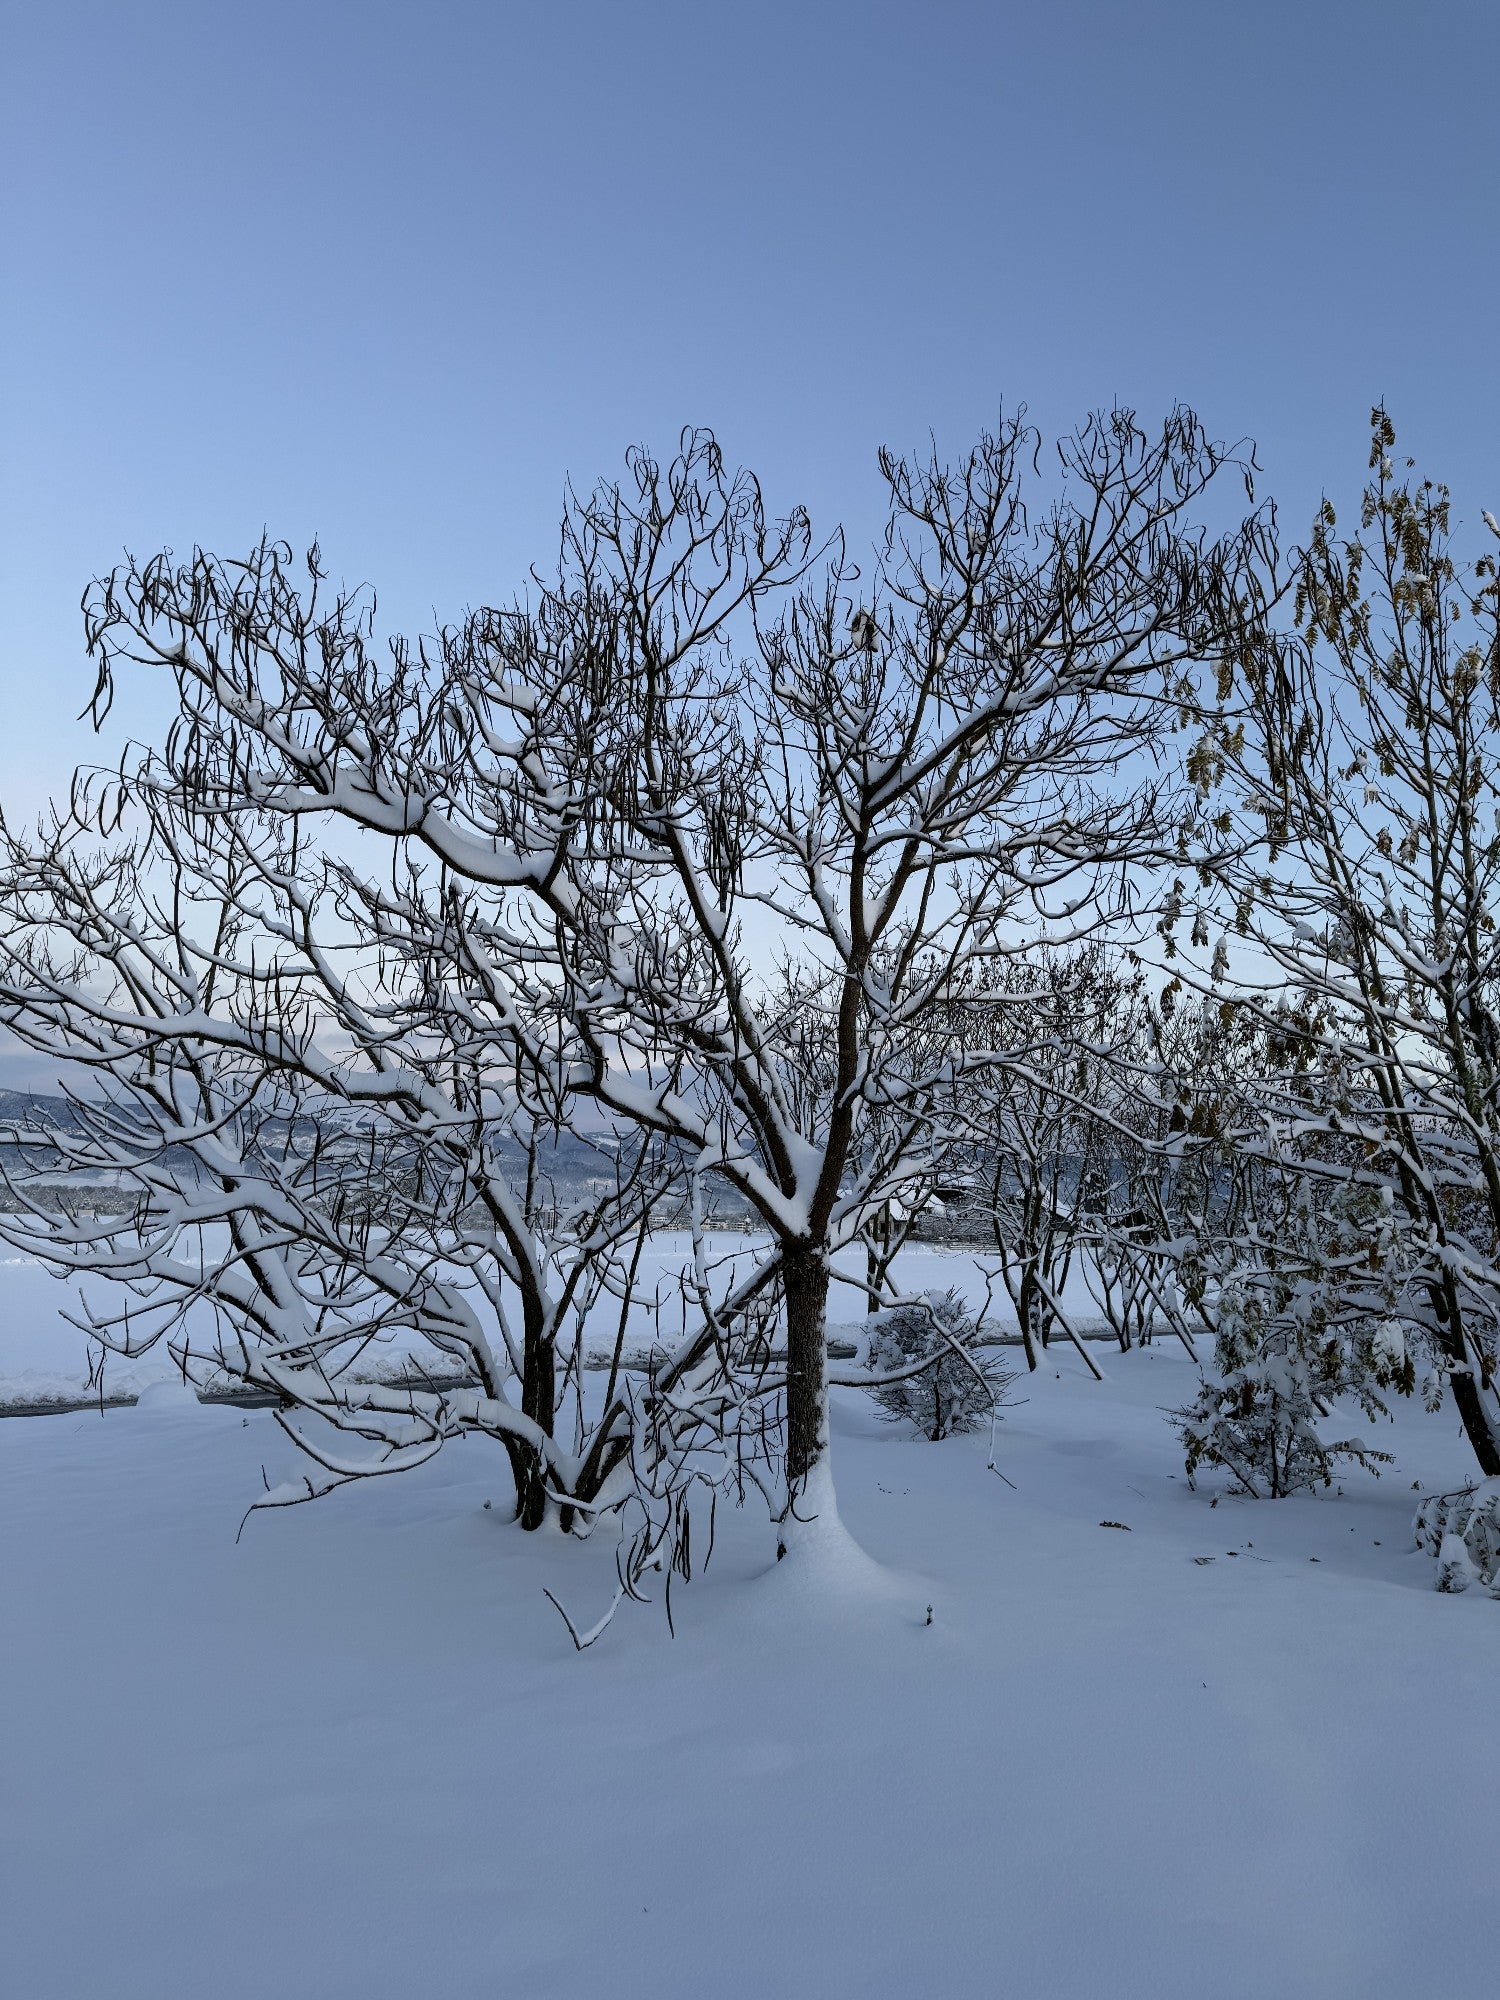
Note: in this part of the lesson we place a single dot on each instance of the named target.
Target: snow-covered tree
(334, 1131)
(1302, 1310)
(1041, 1139)
(913, 772)
(1359, 753)
(1296, 1274)
(547, 860)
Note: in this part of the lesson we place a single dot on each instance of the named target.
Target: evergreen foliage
(961, 1387)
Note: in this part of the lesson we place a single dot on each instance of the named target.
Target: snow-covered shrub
(1257, 1422)
(962, 1385)
(1304, 1313)
(1462, 1530)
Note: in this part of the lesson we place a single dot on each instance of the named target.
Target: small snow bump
(170, 1395)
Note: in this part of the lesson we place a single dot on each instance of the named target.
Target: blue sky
(390, 272)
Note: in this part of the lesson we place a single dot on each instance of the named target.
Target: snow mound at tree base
(824, 1572)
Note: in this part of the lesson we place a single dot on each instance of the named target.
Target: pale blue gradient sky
(390, 272)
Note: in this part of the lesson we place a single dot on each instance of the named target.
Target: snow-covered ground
(1234, 1751)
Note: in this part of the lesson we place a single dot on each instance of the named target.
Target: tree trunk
(877, 1260)
(539, 1402)
(1028, 1316)
(1468, 1393)
(1468, 1399)
(804, 1276)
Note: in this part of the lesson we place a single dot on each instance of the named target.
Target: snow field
(355, 1754)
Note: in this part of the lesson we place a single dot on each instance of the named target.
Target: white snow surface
(355, 1755)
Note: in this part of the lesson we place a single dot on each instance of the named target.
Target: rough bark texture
(1468, 1400)
(539, 1402)
(805, 1283)
(1477, 1425)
